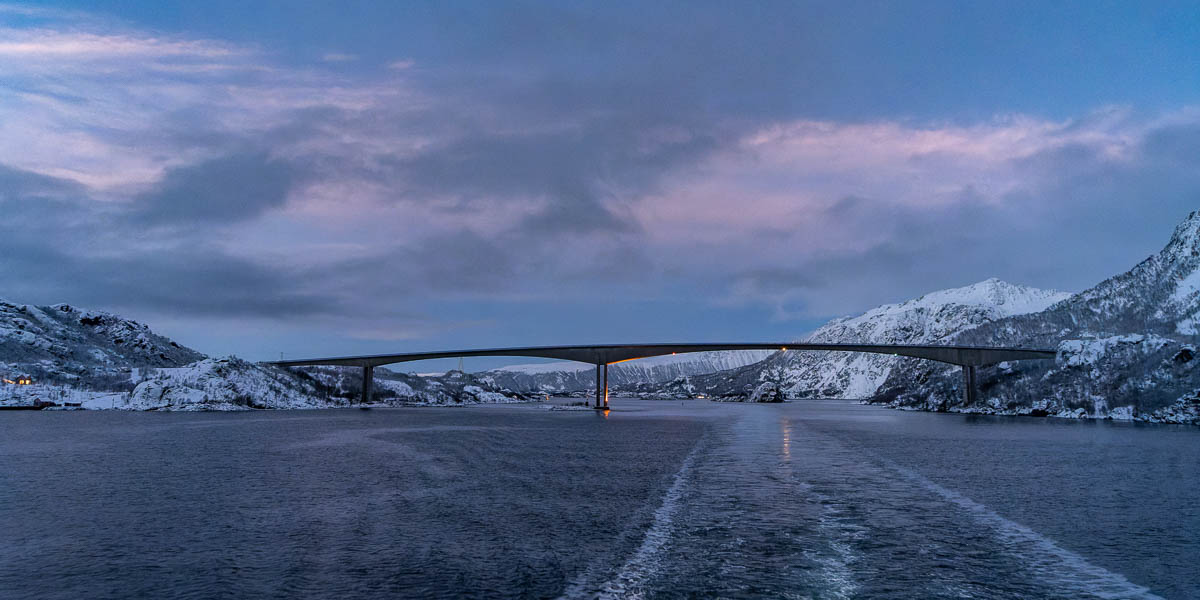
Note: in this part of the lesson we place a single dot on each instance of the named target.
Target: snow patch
(1187, 288)
(1082, 353)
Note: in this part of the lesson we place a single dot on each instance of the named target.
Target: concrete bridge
(968, 357)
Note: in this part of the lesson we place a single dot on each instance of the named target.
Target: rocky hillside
(933, 318)
(1126, 348)
(64, 344)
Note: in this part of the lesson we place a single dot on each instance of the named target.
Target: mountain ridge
(1125, 347)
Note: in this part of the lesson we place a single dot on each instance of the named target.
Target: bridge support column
(602, 386)
(970, 385)
(605, 385)
(368, 379)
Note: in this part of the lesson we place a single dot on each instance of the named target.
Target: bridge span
(968, 357)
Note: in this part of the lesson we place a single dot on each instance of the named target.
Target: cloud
(579, 177)
(229, 188)
(38, 44)
(184, 280)
(1062, 208)
(336, 57)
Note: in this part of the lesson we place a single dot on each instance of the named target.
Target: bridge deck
(611, 353)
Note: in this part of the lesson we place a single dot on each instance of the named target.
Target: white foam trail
(836, 572)
(1049, 560)
(629, 581)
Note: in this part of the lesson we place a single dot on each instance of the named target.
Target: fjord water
(657, 499)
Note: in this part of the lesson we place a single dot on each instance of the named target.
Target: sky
(329, 178)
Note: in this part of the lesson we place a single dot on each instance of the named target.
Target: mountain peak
(936, 316)
(1184, 246)
(1001, 297)
(1189, 228)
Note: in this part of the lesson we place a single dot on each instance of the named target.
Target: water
(656, 500)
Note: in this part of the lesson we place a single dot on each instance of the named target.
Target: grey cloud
(1178, 144)
(461, 262)
(185, 280)
(672, 59)
(584, 173)
(63, 246)
(229, 188)
(582, 214)
(455, 263)
(777, 280)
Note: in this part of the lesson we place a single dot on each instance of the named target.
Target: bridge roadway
(968, 357)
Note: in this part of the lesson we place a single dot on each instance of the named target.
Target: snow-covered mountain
(1126, 348)
(931, 319)
(558, 377)
(61, 343)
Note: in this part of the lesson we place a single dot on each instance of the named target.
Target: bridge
(968, 357)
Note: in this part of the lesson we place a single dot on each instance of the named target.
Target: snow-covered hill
(98, 360)
(234, 384)
(558, 377)
(1126, 348)
(226, 384)
(390, 387)
(64, 344)
(931, 319)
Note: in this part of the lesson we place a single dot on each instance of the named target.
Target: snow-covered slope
(555, 377)
(931, 319)
(225, 384)
(1126, 347)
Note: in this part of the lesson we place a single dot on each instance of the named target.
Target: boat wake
(1047, 560)
(630, 580)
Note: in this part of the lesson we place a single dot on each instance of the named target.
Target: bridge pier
(970, 385)
(368, 379)
(602, 386)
